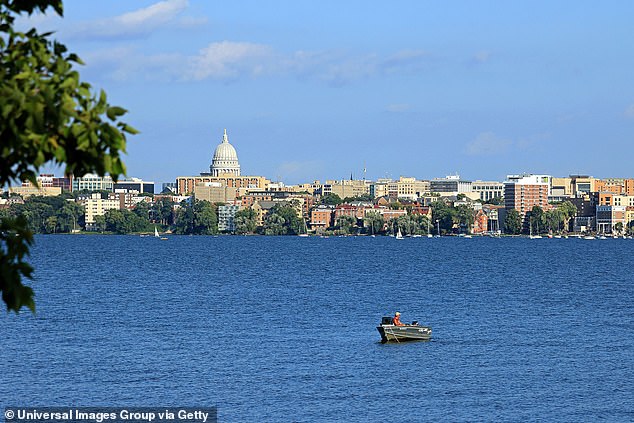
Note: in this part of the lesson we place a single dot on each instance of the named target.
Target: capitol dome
(225, 160)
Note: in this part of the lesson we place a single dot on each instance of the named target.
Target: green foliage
(374, 223)
(345, 225)
(618, 228)
(513, 222)
(444, 215)
(245, 221)
(49, 214)
(125, 222)
(362, 197)
(162, 211)
(536, 220)
(331, 200)
(568, 212)
(282, 219)
(15, 240)
(496, 201)
(465, 217)
(47, 114)
(199, 218)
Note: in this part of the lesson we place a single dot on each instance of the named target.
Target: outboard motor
(414, 322)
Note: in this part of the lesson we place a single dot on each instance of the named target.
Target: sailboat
(399, 235)
(156, 234)
(531, 236)
(305, 228)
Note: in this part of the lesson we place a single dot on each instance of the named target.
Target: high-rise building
(523, 192)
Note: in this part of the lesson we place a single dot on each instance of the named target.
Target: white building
(488, 190)
(92, 182)
(225, 160)
(97, 206)
(226, 214)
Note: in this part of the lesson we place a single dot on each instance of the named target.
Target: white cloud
(227, 59)
(487, 143)
(133, 24)
(629, 112)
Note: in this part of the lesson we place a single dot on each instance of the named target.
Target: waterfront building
(262, 209)
(321, 218)
(135, 184)
(523, 192)
(480, 222)
(629, 217)
(92, 182)
(493, 217)
(226, 214)
(97, 206)
(608, 217)
(488, 190)
(129, 199)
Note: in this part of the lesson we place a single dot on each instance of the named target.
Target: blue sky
(315, 90)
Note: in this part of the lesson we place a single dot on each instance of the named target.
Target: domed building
(225, 160)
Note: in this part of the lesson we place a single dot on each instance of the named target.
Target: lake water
(281, 329)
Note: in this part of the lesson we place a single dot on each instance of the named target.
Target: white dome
(225, 160)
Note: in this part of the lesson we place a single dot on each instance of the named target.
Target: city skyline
(320, 91)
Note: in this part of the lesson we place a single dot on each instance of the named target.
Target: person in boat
(397, 319)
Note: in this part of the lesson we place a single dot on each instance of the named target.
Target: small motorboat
(408, 332)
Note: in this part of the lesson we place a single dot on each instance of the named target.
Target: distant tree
(618, 227)
(568, 212)
(245, 221)
(125, 222)
(100, 223)
(282, 219)
(51, 224)
(275, 224)
(536, 220)
(362, 197)
(331, 200)
(205, 218)
(48, 115)
(345, 225)
(513, 222)
(162, 211)
(496, 201)
(142, 209)
(465, 216)
(444, 215)
(373, 222)
(184, 219)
